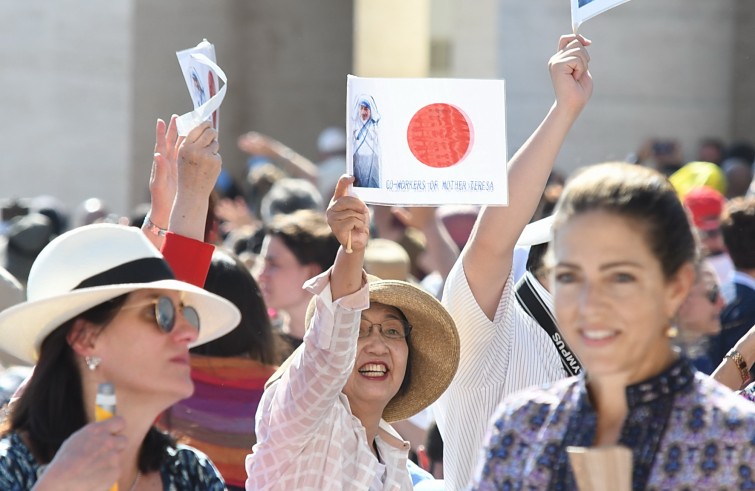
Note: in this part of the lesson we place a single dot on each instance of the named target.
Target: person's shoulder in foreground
(190, 469)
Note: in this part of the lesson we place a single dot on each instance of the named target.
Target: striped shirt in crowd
(497, 358)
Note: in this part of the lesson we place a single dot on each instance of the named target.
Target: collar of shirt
(744, 279)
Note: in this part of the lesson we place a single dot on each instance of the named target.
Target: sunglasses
(712, 294)
(389, 329)
(165, 313)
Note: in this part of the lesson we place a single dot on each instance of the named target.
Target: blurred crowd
(677, 278)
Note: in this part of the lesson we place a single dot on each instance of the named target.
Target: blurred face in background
(712, 241)
(700, 313)
(281, 276)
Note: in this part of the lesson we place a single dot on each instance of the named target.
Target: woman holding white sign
(503, 349)
(376, 351)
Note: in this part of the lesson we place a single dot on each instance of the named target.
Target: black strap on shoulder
(535, 308)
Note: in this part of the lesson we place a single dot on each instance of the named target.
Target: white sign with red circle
(427, 141)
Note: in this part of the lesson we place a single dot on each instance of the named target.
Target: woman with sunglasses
(699, 317)
(104, 307)
(623, 262)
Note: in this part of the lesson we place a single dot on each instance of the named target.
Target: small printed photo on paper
(366, 144)
(203, 77)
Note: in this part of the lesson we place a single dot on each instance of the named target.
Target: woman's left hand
(162, 179)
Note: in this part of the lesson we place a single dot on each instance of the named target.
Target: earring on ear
(92, 362)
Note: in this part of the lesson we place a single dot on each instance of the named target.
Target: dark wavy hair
(229, 278)
(738, 228)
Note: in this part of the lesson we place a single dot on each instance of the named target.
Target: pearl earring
(92, 362)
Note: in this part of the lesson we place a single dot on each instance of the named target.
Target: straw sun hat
(433, 345)
(88, 266)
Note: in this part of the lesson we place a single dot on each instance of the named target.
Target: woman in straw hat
(624, 260)
(376, 351)
(104, 308)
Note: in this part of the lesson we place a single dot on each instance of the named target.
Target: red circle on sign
(439, 135)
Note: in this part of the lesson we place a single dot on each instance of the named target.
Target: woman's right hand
(88, 460)
(570, 75)
(348, 215)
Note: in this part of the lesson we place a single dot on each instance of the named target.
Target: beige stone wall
(655, 73)
(742, 103)
(66, 99)
(391, 38)
(85, 82)
(286, 63)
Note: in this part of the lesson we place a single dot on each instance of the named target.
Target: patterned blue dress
(186, 470)
(686, 432)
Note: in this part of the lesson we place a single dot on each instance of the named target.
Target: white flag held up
(427, 141)
(581, 10)
(201, 72)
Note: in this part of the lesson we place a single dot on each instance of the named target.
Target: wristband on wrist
(152, 228)
(741, 364)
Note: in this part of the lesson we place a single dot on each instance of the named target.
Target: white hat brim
(538, 232)
(23, 327)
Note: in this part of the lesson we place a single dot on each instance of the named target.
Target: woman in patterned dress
(623, 262)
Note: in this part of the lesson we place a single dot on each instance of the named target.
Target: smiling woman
(623, 262)
(376, 351)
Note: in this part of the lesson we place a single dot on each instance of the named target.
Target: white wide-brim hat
(91, 265)
(538, 232)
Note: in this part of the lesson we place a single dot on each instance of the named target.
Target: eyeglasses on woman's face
(389, 328)
(165, 313)
(712, 293)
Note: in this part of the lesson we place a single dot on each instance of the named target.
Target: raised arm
(349, 219)
(162, 180)
(293, 163)
(307, 393)
(184, 171)
(198, 169)
(487, 257)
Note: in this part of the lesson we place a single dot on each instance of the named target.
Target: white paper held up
(581, 10)
(201, 72)
(427, 142)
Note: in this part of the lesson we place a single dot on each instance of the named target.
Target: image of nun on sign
(366, 143)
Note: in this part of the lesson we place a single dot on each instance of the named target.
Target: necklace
(136, 481)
